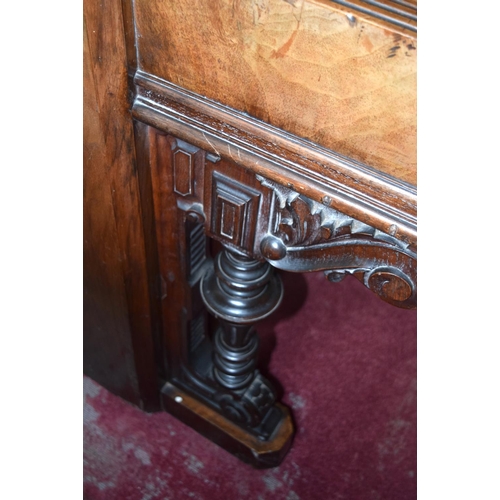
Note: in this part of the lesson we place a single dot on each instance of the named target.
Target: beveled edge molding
(351, 187)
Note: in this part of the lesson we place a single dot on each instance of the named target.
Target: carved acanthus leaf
(283, 194)
(305, 235)
(300, 221)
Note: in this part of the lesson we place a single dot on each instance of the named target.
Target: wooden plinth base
(226, 434)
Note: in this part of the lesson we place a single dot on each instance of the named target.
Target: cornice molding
(357, 190)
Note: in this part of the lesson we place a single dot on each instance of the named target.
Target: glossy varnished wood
(282, 131)
(118, 344)
(346, 81)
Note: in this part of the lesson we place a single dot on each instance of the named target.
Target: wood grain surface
(117, 338)
(345, 82)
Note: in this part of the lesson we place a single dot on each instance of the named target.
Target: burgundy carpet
(346, 363)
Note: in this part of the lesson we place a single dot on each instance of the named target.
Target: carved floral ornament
(305, 235)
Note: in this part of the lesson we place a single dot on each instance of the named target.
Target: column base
(260, 454)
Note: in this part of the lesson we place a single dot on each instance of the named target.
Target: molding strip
(391, 12)
(355, 189)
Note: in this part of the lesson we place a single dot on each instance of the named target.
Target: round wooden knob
(272, 248)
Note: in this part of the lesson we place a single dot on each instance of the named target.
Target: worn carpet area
(346, 365)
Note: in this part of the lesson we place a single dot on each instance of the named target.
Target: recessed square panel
(234, 211)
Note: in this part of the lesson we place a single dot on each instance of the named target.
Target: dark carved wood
(262, 224)
(344, 184)
(192, 192)
(305, 235)
(240, 292)
(190, 169)
(235, 209)
(231, 436)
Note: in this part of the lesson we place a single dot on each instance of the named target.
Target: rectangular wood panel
(318, 69)
(118, 343)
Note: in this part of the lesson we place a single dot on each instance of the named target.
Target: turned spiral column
(240, 291)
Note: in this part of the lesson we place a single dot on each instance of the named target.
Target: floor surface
(346, 364)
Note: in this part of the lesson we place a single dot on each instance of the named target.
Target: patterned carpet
(346, 363)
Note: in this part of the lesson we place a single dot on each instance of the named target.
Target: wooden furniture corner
(223, 140)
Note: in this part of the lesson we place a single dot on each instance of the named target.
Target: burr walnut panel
(344, 81)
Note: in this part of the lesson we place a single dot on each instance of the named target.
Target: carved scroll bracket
(305, 235)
